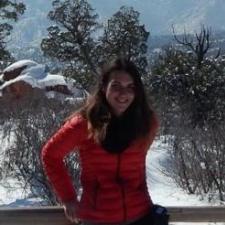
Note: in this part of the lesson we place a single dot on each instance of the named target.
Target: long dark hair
(135, 121)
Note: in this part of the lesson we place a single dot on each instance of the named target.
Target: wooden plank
(197, 214)
(55, 215)
(33, 216)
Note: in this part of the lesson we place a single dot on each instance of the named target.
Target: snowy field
(162, 189)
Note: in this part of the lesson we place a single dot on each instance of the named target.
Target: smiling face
(120, 92)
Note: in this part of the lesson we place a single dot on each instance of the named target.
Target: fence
(55, 215)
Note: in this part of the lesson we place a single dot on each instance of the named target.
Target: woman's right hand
(70, 209)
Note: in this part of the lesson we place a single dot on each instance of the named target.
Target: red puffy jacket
(114, 185)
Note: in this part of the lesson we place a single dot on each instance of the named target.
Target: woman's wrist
(70, 209)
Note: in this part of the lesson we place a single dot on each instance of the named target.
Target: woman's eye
(114, 85)
(118, 87)
(131, 88)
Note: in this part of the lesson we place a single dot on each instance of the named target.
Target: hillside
(157, 15)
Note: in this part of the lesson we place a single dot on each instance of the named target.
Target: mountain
(31, 27)
(157, 15)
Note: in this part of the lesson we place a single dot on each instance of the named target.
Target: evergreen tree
(71, 41)
(76, 39)
(9, 11)
(124, 36)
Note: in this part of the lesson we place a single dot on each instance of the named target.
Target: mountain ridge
(158, 16)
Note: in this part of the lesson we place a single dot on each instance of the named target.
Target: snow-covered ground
(162, 188)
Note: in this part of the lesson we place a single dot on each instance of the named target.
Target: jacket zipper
(120, 182)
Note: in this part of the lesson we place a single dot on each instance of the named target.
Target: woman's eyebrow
(115, 81)
(118, 82)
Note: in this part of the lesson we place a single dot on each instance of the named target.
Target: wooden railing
(55, 215)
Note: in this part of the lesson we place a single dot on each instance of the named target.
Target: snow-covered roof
(35, 81)
(19, 64)
(27, 79)
(37, 72)
(52, 80)
(37, 76)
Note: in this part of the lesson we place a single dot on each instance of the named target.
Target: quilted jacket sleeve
(68, 137)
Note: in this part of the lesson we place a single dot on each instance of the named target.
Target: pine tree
(9, 11)
(125, 36)
(70, 40)
(78, 40)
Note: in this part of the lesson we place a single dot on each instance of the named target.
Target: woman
(112, 133)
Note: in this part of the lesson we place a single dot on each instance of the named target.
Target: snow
(52, 80)
(36, 79)
(37, 76)
(11, 195)
(19, 64)
(25, 78)
(37, 71)
(162, 188)
(157, 50)
(74, 101)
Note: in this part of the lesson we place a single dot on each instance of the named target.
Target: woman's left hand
(70, 209)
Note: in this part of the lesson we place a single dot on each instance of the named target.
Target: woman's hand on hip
(70, 209)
